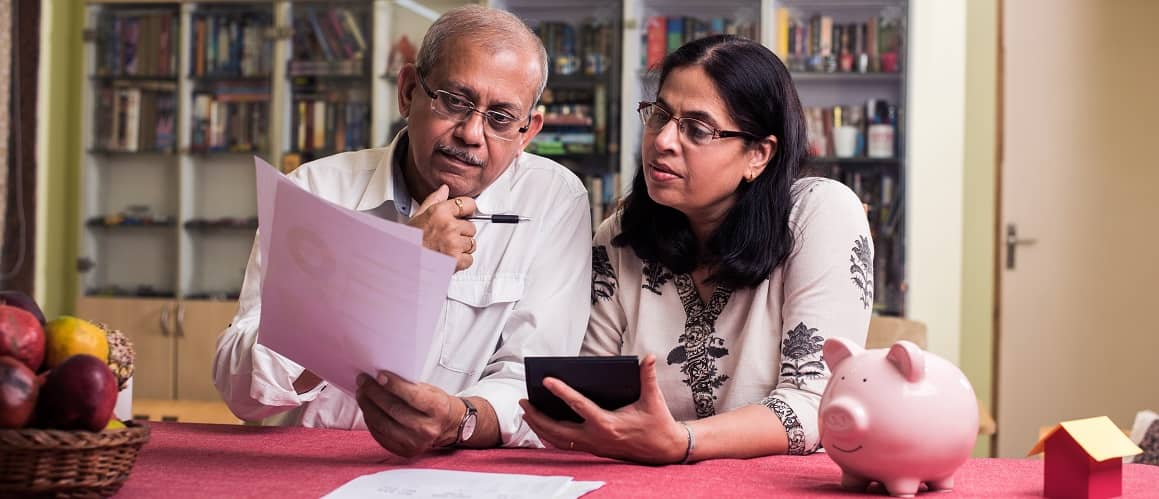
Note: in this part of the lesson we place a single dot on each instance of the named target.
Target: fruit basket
(68, 463)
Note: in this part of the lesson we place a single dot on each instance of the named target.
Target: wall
(58, 153)
(979, 203)
(934, 185)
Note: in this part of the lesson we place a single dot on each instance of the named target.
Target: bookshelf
(848, 60)
(857, 82)
(179, 95)
(581, 103)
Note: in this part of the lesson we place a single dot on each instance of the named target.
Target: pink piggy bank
(900, 417)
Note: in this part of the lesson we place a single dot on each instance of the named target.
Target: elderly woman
(724, 265)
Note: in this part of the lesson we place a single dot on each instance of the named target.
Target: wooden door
(149, 325)
(1077, 335)
(200, 323)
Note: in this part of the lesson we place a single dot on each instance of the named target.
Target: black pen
(499, 219)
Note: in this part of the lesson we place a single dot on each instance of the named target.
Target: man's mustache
(459, 154)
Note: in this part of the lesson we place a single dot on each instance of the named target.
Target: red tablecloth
(193, 460)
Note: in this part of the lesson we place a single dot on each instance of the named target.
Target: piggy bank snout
(845, 416)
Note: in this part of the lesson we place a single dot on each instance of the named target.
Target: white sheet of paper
(344, 292)
(426, 483)
(268, 179)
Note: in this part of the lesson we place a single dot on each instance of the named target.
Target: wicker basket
(68, 463)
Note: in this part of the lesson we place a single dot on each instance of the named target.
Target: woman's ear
(759, 156)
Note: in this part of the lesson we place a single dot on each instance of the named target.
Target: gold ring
(571, 446)
(459, 207)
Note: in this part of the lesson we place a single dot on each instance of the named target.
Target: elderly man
(519, 289)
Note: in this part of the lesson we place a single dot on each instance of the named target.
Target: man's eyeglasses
(457, 108)
(692, 130)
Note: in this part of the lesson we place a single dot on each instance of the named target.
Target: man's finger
(586, 409)
(382, 398)
(464, 261)
(434, 198)
(391, 435)
(464, 206)
(419, 397)
(466, 228)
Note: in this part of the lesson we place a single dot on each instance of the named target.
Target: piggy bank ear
(909, 359)
(836, 350)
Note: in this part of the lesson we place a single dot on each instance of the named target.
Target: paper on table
(345, 293)
(417, 483)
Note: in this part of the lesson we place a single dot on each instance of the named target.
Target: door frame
(999, 167)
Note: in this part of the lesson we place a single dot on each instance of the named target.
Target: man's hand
(643, 431)
(444, 226)
(408, 418)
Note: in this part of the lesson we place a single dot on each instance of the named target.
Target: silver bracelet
(691, 443)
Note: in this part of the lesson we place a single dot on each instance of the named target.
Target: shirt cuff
(800, 426)
(504, 396)
(273, 380)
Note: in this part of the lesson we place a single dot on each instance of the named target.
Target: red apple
(18, 389)
(21, 336)
(79, 394)
(22, 301)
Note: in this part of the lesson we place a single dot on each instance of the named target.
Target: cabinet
(174, 341)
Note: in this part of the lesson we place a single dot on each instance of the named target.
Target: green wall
(979, 186)
(62, 72)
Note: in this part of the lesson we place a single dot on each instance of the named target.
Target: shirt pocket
(476, 311)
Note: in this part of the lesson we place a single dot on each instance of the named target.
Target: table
(205, 460)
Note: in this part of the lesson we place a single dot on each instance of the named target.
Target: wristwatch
(467, 425)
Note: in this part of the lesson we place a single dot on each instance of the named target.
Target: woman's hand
(643, 431)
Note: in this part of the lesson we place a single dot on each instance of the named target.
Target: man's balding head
(491, 29)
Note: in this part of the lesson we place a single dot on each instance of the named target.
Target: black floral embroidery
(699, 346)
(862, 269)
(801, 343)
(603, 275)
(655, 275)
(1150, 445)
(793, 428)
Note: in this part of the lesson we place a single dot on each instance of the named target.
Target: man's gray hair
(492, 29)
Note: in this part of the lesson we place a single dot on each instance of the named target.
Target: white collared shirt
(527, 293)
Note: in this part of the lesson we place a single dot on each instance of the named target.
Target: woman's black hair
(754, 237)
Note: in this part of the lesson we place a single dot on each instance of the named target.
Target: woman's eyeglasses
(693, 131)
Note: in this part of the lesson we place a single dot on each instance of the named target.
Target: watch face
(468, 428)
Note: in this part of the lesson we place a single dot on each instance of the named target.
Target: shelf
(121, 292)
(855, 161)
(231, 77)
(136, 78)
(810, 76)
(114, 152)
(215, 296)
(328, 76)
(820, 5)
(222, 152)
(100, 223)
(578, 80)
(239, 224)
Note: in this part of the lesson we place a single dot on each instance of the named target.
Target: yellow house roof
(1099, 437)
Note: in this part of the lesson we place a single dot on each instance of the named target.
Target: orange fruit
(68, 336)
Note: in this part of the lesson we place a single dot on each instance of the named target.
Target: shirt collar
(387, 184)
